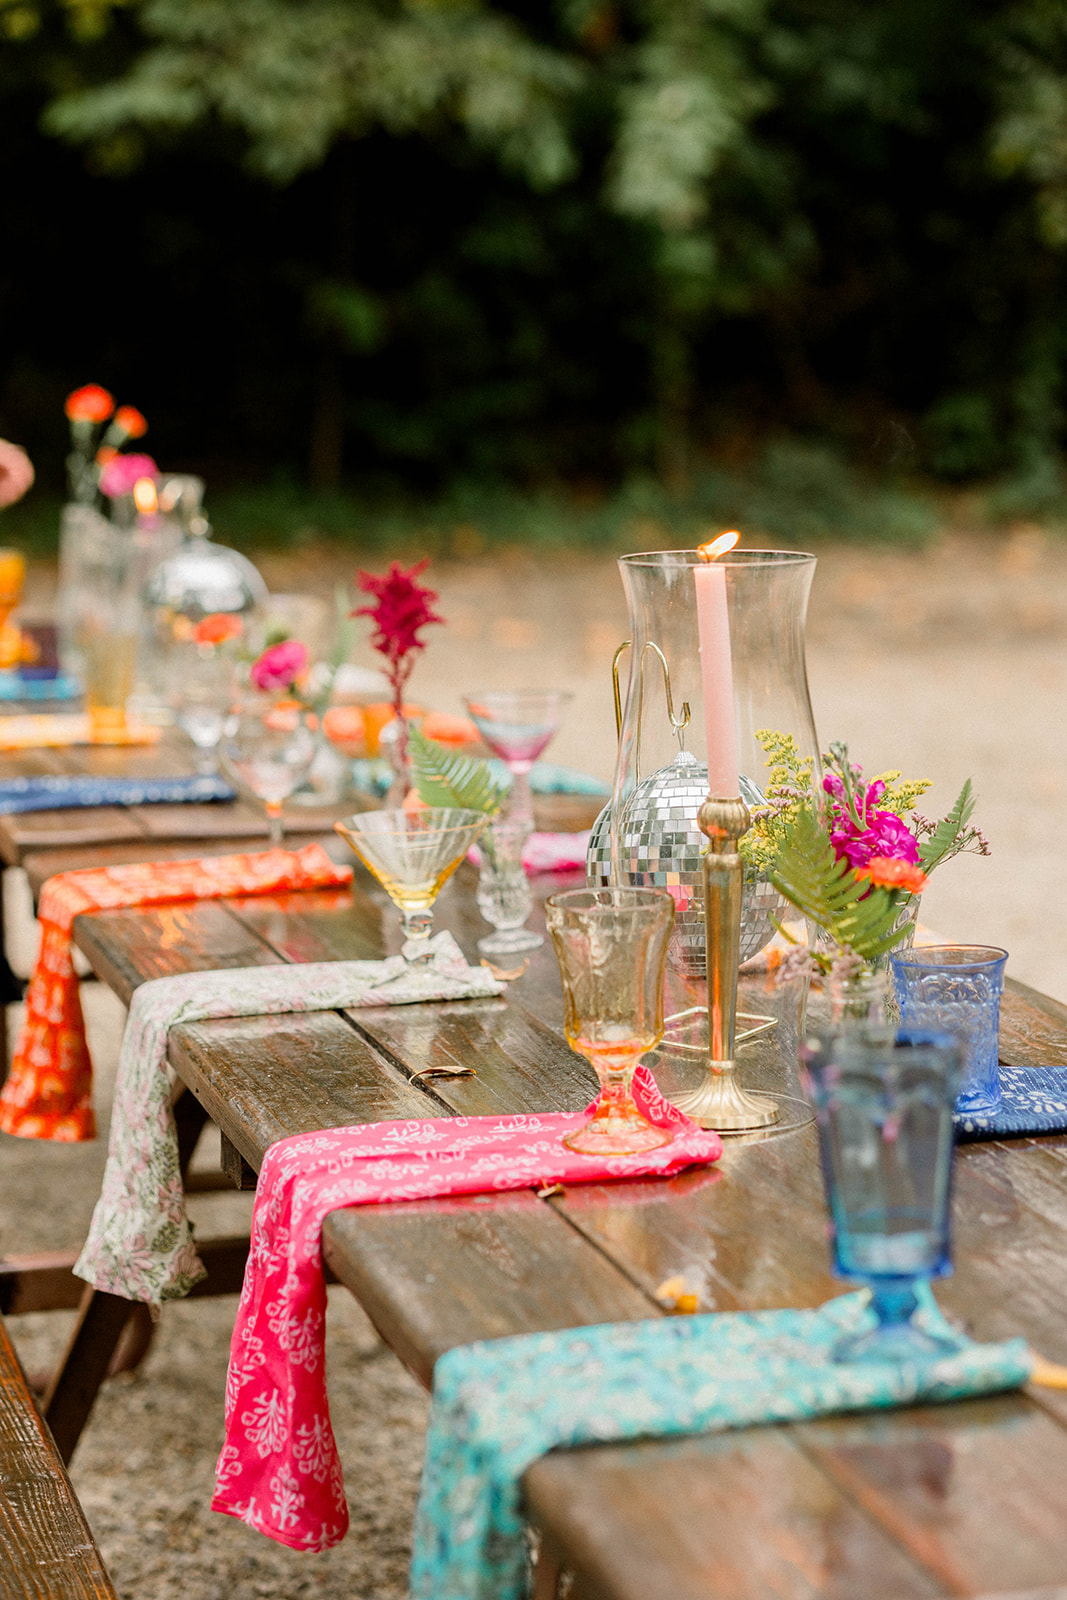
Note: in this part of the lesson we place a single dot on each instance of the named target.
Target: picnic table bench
(968, 1499)
(46, 1549)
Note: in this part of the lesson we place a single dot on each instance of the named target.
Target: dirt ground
(949, 662)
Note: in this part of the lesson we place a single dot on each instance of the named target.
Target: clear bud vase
(837, 1003)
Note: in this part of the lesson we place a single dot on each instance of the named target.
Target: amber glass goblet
(611, 945)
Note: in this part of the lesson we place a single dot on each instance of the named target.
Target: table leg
(84, 1366)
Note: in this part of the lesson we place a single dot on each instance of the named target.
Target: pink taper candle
(716, 668)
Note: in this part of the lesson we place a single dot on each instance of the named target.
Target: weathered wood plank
(267, 1078)
(46, 1549)
(1033, 1027)
(689, 1520)
(434, 1274)
(125, 948)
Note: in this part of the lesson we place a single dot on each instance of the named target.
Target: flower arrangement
(400, 610)
(90, 456)
(853, 855)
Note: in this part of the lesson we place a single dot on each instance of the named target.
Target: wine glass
(202, 693)
(611, 945)
(413, 854)
(883, 1106)
(268, 750)
(517, 725)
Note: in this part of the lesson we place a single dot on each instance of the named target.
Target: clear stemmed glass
(268, 750)
(202, 693)
(503, 896)
(611, 945)
(883, 1104)
(413, 854)
(517, 725)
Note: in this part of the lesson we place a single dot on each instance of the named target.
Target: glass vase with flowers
(400, 609)
(852, 857)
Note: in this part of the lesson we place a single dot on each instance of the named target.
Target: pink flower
(16, 473)
(278, 667)
(884, 836)
(122, 472)
(876, 833)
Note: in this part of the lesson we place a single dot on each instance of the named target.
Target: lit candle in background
(716, 668)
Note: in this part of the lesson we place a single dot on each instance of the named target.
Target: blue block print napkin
(57, 794)
(1032, 1100)
(499, 1405)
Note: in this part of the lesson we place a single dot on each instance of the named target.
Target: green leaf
(828, 892)
(943, 842)
(443, 778)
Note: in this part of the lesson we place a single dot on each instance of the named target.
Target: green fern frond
(443, 778)
(944, 841)
(827, 891)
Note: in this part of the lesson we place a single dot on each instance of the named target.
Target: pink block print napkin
(279, 1470)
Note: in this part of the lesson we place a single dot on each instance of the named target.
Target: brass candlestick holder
(720, 1102)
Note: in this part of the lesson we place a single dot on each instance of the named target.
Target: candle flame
(144, 496)
(719, 546)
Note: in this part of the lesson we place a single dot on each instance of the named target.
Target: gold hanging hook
(677, 722)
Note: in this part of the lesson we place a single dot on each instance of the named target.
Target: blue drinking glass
(883, 1105)
(956, 989)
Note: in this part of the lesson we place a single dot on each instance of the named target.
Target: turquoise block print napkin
(499, 1405)
(374, 775)
(1033, 1100)
(15, 686)
(61, 793)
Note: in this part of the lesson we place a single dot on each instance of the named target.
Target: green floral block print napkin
(499, 1405)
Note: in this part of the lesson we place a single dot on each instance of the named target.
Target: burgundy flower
(402, 608)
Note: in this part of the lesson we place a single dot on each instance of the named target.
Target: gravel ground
(949, 662)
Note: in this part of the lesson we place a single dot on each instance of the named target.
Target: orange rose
(130, 420)
(449, 729)
(106, 453)
(217, 628)
(90, 404)
(885, 872)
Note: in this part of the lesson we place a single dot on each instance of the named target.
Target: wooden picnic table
(967, 1499)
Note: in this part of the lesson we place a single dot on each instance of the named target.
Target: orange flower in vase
(90, 404)
(129, 422)
(885, 872)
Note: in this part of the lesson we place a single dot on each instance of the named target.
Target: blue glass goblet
(883, 1106)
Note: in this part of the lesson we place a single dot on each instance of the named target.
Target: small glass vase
(504, 897)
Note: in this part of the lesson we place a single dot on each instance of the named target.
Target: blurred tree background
(408, 246)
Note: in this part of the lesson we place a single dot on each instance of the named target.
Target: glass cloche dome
(201, 579)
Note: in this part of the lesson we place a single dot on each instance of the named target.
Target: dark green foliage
(828, 892)
(734, 244)
(951, 834)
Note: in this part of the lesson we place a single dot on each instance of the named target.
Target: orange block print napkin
(43, 732)
(48, 1092)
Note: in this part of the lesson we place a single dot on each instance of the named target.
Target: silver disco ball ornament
(661, 846)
